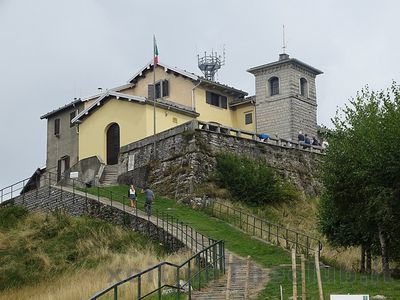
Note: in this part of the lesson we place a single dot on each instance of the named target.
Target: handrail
(208, 260)
(267, 230)
(10, 191)
(160, 265)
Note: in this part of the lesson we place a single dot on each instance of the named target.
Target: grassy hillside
(54, 256)
(275, 258)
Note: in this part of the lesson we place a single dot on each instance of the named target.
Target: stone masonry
(187, 158)
(288, 111)
(50, 199)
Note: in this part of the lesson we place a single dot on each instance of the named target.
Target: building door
(113, 144)
(62, 166)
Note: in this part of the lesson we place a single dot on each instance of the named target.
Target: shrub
(251, 181)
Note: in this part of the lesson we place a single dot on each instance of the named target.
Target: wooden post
(321, 292)
(281, 290)
(246, 287)
(294, 275)
(229, 278)
(303, 277)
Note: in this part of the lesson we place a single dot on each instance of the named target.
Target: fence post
(229, 278)
(116, 293)
(139, 287)
(294, 274)
(159, 282)
(189, 281)
(297, 241)
(303, 277)
(307, 247)
(246, 287)
(215, 260)
(254, 226)
(178, 286)
(206, 264)
(199, 266)
(321, 292)
(23, 193)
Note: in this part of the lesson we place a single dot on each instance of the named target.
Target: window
(274, 86)
(57, 127)
(248, 118)
(303, 87)
(162, 89)
(216, 100)
(71, 116)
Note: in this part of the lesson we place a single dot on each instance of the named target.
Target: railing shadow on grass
(208, 262)
(265, 230)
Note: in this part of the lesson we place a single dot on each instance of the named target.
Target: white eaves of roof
(166, 67)
(115, 89)
(104, 96)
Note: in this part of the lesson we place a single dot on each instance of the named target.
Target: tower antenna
(283, 39)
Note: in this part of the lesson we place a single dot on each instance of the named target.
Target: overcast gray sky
(52, 51)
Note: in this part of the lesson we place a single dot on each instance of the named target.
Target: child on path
(132, 196)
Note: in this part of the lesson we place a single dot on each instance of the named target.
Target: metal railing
(13, 190)
(207, 264)
(278, 141)
(268, 231)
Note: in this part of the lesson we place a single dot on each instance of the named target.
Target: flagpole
(154, 96)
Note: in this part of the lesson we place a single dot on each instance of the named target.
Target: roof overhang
(102, 99)
(293, 61)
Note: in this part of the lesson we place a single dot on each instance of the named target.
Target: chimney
(283, 56)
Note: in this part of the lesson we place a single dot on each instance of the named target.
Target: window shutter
(224, 102)
(57, 127)
(208, 97)
(165, 88)
(150, 91)
(158, 90)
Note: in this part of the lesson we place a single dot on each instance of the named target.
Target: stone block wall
(49, 199)
(187, 159)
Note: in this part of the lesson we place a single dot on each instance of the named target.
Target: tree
(361, 175)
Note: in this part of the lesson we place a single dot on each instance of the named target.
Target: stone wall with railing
(50, 199)
(186, 157)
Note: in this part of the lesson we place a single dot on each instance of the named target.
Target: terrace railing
(278, 141)
(268, 231)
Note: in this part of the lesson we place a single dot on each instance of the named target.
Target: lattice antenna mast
(210, 64)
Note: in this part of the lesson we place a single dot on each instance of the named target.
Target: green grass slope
(35, 247)
(334, 280)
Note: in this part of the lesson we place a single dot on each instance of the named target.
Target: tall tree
(361, 175)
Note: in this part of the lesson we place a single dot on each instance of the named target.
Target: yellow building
(117, 118)
(99, 125)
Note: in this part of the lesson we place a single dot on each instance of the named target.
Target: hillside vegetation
(55, 256)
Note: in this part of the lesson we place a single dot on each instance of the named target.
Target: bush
(251, 181)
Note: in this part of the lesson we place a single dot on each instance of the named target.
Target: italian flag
(155, 51)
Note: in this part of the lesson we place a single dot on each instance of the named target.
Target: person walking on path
(132, 196)
(149, 200)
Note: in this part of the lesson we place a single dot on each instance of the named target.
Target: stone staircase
(110, 175)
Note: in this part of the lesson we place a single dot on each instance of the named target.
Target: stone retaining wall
(49, 199)
(186, 158)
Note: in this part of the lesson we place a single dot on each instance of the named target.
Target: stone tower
(286, 100)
